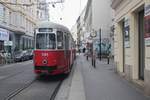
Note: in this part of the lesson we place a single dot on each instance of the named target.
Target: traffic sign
(8, 43)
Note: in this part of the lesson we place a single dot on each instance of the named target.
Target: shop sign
(126, 33)
(4, 35)
(8, 43)
(147, 41)
(147, 25)
(147, 9)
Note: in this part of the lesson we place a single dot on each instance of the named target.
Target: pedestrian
(79, 51)
(84, 50)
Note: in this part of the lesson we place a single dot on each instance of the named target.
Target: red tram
(54, 49)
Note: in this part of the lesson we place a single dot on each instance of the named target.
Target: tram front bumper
(49, 70)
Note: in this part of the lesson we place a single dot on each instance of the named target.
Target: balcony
(115, 3)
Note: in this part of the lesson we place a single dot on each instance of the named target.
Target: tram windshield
(45, 41)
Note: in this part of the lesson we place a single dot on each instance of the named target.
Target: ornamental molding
(115, 3)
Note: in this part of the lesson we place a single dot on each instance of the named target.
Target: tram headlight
(44, 62)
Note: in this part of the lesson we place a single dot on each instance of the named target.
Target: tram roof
(48, 24)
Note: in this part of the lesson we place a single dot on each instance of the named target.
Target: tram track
(17, 91)
(21, 93)
(56, 91)
(24, 85)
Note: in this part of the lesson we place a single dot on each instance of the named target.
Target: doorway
(123, 44)
(141, 44)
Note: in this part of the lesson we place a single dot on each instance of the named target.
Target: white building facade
(42, 10)
(98, 19)
(81, 30)
(74, 32)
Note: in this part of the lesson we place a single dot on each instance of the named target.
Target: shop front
(4, 36)
(132, 41)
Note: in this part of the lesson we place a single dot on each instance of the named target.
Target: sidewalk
(100, 83)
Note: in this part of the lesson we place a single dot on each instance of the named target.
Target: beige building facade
(132, 40)
(17, 23)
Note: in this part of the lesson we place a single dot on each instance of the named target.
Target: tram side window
(59, 40)
(66, 41)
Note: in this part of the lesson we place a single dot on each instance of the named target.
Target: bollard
(94, 63)
(108, 59)
(87, 57)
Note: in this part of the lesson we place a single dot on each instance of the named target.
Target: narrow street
(74, 49)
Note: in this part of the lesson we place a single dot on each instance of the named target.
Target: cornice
(115, 3)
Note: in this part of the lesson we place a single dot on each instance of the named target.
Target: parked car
(30, 54)
(21, 56)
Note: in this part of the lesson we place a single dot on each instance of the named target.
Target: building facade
(88, 21)
(17, 23)
(42, 10)
(74, 32)
(81, 30)
(132, 40)
(98, 19)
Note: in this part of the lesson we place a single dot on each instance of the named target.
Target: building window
(14, 1)
(14, 18)
(41, 15)
(10, 17)
(2, 13)
(37, 14)
(1, 45)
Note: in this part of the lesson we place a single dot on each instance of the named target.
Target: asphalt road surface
(18, 82)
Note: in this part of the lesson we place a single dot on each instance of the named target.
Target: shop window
(1, 45)
(147, 26)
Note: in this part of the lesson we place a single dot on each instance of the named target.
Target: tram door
(141, 45)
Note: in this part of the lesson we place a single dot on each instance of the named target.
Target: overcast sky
(69, 12)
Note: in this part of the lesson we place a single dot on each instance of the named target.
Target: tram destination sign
(45, 30)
